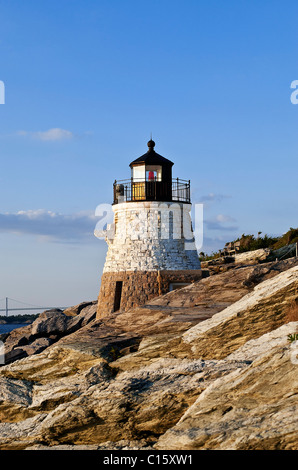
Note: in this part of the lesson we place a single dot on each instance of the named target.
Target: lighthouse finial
(151, 143)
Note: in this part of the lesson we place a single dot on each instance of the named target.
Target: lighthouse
(151, 247)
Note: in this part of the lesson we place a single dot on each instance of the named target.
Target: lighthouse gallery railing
(132, 190)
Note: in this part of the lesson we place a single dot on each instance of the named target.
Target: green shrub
(292, 337)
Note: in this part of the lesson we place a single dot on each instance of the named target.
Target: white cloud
(55, 134)
(22, 133)
(219, 223)
(50, 226)
(224, 218)
(212, 197)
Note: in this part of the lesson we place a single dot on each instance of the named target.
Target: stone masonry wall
(151, 236)
(139, 287)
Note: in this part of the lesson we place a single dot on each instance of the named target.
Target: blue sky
(86, 82)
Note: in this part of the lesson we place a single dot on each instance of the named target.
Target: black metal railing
(133, 190)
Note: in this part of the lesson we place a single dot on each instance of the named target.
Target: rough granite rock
(50, 323)
(76, 310)
(142, 444)
(90, 406)
(267, 304)
(49, 327)
(37, 346)
(262, 255)
(255, 408)
(254, 256)
(207, 366)
(18, 337)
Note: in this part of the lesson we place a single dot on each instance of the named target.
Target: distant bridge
(26, 307)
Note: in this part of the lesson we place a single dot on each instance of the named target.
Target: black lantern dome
(152, 158)
(151, 180)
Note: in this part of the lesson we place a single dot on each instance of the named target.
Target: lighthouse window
(153, 173)
(138, 173)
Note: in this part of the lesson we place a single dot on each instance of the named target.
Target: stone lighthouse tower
(151, 246)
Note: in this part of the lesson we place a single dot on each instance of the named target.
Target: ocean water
(9, 327)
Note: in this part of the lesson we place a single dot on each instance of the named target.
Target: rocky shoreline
(48, 328)
(208, 366)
